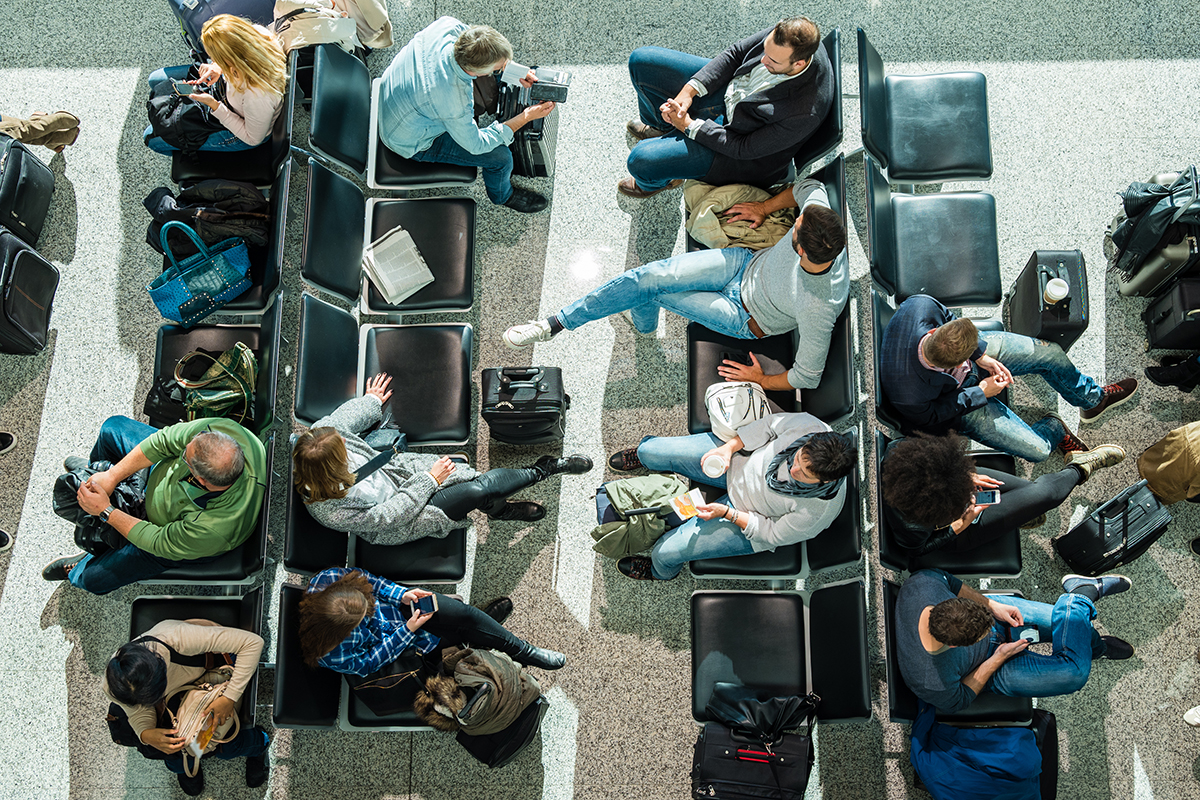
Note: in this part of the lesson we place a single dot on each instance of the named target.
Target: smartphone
(426, 605)
(541, 92)
(987, 498)
(184, 88)
(1029, 633)
(737, 358)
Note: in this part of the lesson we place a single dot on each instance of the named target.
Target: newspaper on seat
(394, 265)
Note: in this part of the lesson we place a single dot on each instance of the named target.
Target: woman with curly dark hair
(929, 485)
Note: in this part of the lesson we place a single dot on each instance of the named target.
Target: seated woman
(144, 672)
(785, 476)
(929, 485)
(354, 622)
(414, 494)
(249, 61)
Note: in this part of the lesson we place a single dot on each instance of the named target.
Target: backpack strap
(205, 661)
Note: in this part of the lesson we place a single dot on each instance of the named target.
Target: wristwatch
(106, 513)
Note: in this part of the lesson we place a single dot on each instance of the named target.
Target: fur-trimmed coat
(510, 689)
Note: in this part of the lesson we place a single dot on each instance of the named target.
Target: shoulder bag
(226, 389)
(202, 284)
(731, 405)
(392, 688)
(195, 723)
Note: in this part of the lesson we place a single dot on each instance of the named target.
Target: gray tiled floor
(1084, 99)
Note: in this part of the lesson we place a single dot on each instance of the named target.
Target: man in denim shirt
(426, 106)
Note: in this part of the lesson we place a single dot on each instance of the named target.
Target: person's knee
(87, 581)
(642, 57)
(498, 158)
(642, 159)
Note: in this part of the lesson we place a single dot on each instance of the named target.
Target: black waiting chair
(999, 558)
(305, 697)
(245, 612)
(341, 108)
(837, 546)
(924, 128)
(259, 165)
(827, 138)
(943, 245)
(390, 171)
(430, 365)
(776, 640)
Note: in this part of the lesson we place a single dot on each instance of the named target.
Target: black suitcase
(497, 749)
(1116, 533)
(192, 14)
(1173, 320)
(534, 144)
(524, 405)
(1045, 733)
(27, 286)
(726, 766)
(26, 185)
(1028, 312)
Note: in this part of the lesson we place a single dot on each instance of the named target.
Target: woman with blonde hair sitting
(249, 68)
(411, 495)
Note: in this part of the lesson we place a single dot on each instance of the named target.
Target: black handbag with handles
(392, 688)
(1115, 533)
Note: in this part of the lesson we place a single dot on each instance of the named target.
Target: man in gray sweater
(801, 283)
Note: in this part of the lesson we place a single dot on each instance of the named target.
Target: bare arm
(984, 672)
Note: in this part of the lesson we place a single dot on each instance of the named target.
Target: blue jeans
(247, 744)
(497, 164)
(220, 141)
(1068, 624)
(102, 574)
(704, 286)
(696, 538)
(657, 75)
(997, 426)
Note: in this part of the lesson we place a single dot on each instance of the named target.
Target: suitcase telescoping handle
(530, 375)
(1123, 497)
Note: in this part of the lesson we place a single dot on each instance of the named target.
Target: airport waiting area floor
(1083, 100)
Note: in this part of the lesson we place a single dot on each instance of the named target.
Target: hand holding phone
(426, 605)
(989, 497)
(184, 89)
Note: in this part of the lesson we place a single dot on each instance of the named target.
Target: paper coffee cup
(1056, 291)
(714, 466)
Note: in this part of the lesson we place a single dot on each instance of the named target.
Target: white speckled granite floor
(1083, 99)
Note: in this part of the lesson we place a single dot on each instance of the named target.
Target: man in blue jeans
(737, 118)
(953, 643)
(940, 373)
(427, 108)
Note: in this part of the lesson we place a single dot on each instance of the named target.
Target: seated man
(935, 371)
(954, 643)
(738, 118)
(427, 107)
(785, 479)
(800, 283)
(205, 489)
(1171, 467)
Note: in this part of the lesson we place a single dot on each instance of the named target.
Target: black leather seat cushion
(788, 560)
(938, 127)
(750, 638)
(309, 546)
(304, 697)
(327, 361)
(428, 559)
(359, 716)
(838, 642)
(443, 230)
(341, 107)
(331, 255)
(841, 543)
(256, 165)
(706, 350)
(266, 263)
(945, 246)
(393, 171)
(431, 370)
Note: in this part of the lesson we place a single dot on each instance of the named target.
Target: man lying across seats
(953, 643)
(941, 373)
(785, 479)
(203, 495)
(800, 283)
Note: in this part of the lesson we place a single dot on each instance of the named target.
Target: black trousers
(487, 492)
(456, 622)
(1021, 501)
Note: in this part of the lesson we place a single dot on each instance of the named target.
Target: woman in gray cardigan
(414, 494)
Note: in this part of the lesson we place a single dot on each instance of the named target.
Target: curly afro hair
(927, 479)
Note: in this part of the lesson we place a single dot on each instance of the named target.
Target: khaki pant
(55, 130)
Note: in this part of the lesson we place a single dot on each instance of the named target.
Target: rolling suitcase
(27, 286)
(1173, 320)
(1030, 315)
(1116, 533)
(26, 186)
(524, 405)
(534, 144)
(192, 14)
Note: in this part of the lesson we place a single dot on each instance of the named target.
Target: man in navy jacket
(738, 118)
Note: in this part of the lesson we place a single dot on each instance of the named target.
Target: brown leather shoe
(641, 131)
(629, 188)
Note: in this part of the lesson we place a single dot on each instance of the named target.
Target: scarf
(794, 488)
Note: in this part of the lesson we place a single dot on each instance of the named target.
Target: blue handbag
(188, 292)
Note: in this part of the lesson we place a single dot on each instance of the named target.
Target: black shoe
(540, 657)
(1117, 649)
(499, 609)
(192, 786)
(7, 442)
(58, 570)
(72, 463)
(636, 567)
(519, 511)
(1195, 545)
(6, 541)
(1182, 372)
(525, 201)
(1112, 395)
(257, 769)
(625, 460)
(574, 464)
(1102, 586)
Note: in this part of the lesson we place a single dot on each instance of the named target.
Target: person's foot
(1192, 717)
(641, 131)
(629, 188)
(1113, 395)
(1099, 457)
(625, 460)
(257, 769)
(519, 511)
(1116, 649)
(192, 786)
(1182, 372)
(537, 330)
(6, 541)
(59, 569)
(1103, 586)
(499, 609)
(636, 567)
(72, 463)
(525, 201)
(540, 657)
(1036, 522)
(1069, 443)
(7, 442)
(574, 464)
(1195, 546)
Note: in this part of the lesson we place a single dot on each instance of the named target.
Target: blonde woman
(249, 63)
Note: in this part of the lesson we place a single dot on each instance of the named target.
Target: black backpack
(180, 121)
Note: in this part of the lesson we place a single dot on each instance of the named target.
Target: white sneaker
(519, 336)
(1192, 717)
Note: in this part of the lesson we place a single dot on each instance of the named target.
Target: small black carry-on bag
(26, 185)
(27, 286)
(525, 405)
(1030, 314)
(497, 749)
(1115, 533)
(1173, 320)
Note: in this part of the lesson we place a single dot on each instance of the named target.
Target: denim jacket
(425, 93)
